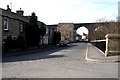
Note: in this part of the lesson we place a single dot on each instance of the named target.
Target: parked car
(62, 43)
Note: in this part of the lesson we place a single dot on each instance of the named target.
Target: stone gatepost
(112, 44)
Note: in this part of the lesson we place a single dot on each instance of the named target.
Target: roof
(13, 15)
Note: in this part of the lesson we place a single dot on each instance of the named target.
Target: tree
(32, 31)
(42, 31)
(56, 37)
(104, 27)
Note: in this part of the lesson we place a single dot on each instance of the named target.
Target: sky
(66, 11)
(82, 30)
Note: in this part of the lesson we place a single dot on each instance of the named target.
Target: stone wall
(13, 28)
(101, 44)
(112, 44)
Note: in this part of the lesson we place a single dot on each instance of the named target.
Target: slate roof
(13, 15)
(16, 16)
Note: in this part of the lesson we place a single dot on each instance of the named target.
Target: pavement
(29, 51)
(94, 54)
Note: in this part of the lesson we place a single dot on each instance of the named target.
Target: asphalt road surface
(62, 62)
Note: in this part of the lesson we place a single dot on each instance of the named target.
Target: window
(70, 29)
(5, 23)
(21, 26)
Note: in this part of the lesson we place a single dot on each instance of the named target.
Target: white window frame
(5, 24)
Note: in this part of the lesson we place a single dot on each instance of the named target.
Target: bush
(20, 42)
(8, 43)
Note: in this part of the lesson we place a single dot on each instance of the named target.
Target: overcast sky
(58, 11)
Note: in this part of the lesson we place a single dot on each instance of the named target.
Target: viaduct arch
(90, 26)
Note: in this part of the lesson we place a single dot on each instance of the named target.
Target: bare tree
(104, 27)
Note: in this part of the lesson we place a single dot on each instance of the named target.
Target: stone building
(49, 32)
(67, 31)
(12, 23)
(44, 39)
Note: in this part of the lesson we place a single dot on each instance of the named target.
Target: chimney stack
(20, 12)
(8, 8)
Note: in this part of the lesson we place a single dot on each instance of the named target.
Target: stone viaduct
(89, 26)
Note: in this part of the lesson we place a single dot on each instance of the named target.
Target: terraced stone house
(12, 24)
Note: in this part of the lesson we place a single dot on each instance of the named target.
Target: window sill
(5, 30)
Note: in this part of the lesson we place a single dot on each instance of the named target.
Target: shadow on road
(36, 54)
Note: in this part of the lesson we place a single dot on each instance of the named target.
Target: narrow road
(64, 62)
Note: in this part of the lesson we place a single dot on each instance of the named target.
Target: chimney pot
(20, 12)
